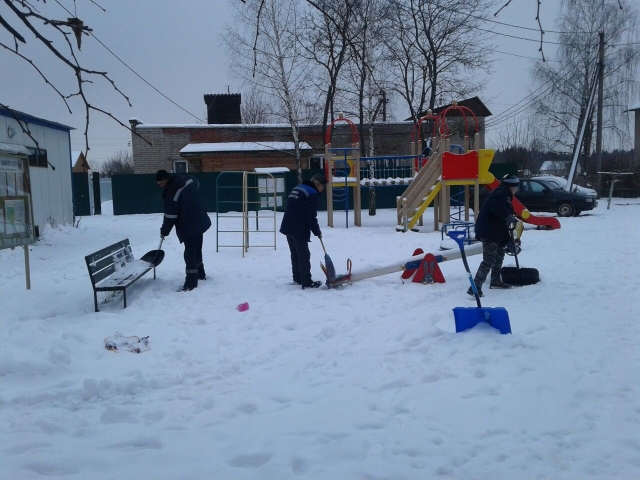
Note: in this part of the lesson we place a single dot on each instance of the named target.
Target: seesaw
(407, 264)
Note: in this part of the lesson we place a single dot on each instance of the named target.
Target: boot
(470, 292)
(313, 284)
(191, 282)
(499, 284)
(201, 273)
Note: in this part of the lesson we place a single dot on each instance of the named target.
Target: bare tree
(325, 42)
(119, 163)
(564, 108)
(266, 55)
(520, 144)
(255, 109)
(31, 23)
(438, 50)
(364, 77)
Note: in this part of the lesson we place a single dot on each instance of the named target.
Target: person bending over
(300, 219)
(182, 208)
(492, 227)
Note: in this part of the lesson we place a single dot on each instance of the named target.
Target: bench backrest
(109, 260)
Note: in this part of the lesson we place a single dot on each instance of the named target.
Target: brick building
(192, 148)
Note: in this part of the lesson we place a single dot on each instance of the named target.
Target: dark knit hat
(320, 179)
(511, 180)
(162, 175)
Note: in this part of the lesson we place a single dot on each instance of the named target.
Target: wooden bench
(114, 268)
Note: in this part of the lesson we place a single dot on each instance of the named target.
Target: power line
(533, 39)
(497, 120)
(506, 116)
(484, 19)
(518, 120)
(133, 71)
(522, 56)
(623, 44)
(563, 76)
(145, 81)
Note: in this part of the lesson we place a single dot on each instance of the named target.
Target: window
(180, 166)
(536, 187)
(37, 158)
(316, 162)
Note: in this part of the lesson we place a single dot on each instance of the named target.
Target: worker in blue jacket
(299, 221)
(492, 227)
(182, 208)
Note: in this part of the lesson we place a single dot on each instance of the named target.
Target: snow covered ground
(363, 382)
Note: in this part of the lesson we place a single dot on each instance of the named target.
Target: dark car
(541, 196)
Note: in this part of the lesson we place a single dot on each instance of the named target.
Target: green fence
(80, 189)
(133, 194)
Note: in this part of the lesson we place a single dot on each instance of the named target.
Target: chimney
(223, 108)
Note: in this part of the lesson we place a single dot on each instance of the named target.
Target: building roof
(474, 104)
(554, 165)
(79, 161)
(634, 109)
(271, 170)
(25, 117)
(202, 148)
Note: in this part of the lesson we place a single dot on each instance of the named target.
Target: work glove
(512, 222)
(514, 247)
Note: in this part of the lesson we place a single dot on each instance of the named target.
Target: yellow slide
(427, 201)
(428, 180)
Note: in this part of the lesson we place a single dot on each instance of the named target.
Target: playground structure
(441, 169)
(429, 171)
(347, 173)
(253, 197)
(438, 169)
(342, 170)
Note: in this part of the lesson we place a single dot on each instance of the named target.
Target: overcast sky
(177, 48)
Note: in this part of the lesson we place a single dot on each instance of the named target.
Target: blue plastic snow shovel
(469, 317)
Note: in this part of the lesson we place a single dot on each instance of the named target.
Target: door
(535, 196)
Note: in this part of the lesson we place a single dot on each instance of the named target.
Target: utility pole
(600, 108)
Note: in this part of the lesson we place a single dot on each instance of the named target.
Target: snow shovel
(154, 257)
(330, 268)
(516, 275)
(469, 317)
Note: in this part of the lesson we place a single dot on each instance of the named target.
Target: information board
(16, 212)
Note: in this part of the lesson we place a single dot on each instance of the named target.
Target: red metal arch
(418, 125)
(462, 111)
(355, 137)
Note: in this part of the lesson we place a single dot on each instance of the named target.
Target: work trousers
(194, 268)
(300, 260)
(492, 258)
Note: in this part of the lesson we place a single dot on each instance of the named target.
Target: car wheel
(565, 209)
